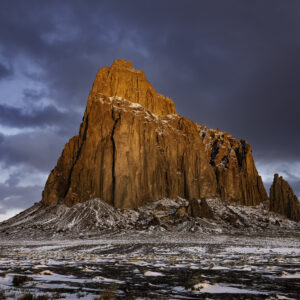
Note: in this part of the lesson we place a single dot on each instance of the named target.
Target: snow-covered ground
(154, 265)
(158, 251)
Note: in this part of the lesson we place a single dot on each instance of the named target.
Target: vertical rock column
(283, 200)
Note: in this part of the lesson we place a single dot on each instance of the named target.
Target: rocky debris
(95, 217)
(237, 178)
(133, 148)
(283, 200)
(199, 209)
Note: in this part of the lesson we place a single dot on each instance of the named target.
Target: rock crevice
(116, 119)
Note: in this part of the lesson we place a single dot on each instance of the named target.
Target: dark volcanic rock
(283, 200)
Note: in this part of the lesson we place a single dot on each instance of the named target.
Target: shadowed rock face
(283, 200)
(200, 209)
(133, 148)
(237, 178)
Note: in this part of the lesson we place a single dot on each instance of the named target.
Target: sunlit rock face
(122, 80)
(283, 200)
(237, 178)
(133, 148)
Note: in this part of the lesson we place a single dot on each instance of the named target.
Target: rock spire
(283, 200)
(133, 148)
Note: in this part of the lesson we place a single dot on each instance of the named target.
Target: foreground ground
(149, 265)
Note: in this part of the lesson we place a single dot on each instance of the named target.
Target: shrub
(27, 296)
(43, 297)
(2, 295)
(19, 280)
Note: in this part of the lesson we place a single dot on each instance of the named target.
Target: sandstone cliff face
(132, 151)
(133, 148)
(237, 178)
(122, 80)
(283, 199)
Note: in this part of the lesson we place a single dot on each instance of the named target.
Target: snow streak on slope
(95, 217)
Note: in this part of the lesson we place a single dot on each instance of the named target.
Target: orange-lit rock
(283, 200)
(133, 148)
(130, 152)
(122, 80)
(237, 178)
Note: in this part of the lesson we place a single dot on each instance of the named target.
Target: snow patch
(153, 274)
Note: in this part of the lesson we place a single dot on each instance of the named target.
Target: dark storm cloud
(37, 117)
(1, 138)
(4, 72)
(228, 64)
(36, 149)
(296, 188)
(32, 96)
(18, 197)
(21, 189)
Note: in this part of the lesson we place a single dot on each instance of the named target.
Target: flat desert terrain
(149, 265)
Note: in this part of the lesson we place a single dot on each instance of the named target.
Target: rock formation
(122, 80)
(237, 178)
(283, 200)
(133, 148)
(200, 209)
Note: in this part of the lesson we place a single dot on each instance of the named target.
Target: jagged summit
(133, 148)
(236, 174)
(122, 63)
(122, 80)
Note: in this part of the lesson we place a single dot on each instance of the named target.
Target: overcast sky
(228, 64)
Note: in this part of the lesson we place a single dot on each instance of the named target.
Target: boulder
(200, 209)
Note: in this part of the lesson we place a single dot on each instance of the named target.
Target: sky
(233, 65)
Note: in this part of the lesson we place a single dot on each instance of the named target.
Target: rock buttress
(237, 178)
